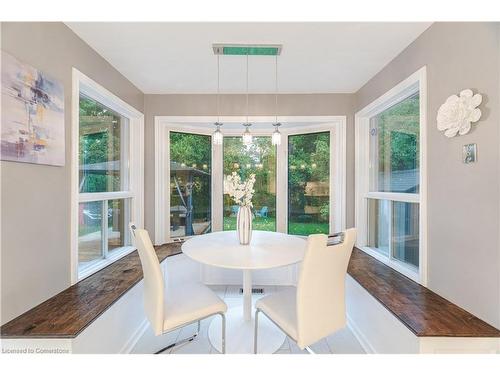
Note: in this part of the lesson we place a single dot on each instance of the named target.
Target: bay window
(299, 188)
(390, 175)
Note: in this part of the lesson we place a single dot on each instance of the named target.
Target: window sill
(411, 273)
(99, 264)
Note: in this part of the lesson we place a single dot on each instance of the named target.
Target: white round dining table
(266, 250)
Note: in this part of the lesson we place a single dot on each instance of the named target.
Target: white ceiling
(161, 58)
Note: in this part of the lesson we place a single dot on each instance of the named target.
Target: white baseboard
(136, 336)
(363, 341)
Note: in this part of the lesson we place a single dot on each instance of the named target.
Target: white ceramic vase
(244, 225)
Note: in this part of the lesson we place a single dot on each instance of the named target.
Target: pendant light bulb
(217, 136)
(247, 136)
(276, 137)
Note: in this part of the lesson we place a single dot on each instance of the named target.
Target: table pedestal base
(239, 334)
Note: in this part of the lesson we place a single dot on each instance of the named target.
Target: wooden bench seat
(416, 312)
(68, 313)
(421, 310)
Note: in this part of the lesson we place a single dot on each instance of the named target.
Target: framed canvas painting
(32, 120)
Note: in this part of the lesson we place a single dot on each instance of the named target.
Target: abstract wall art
(32, 120)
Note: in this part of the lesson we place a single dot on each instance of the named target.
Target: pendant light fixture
(247, 136)
(276, 137)
(217, 136)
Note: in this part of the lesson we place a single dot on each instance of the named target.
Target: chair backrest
(154, 286)
(321, 287)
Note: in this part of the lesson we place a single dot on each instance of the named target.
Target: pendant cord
(276, 89)
(218, 90)
(247, 87)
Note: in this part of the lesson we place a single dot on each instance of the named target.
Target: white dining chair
(168, 308)
(316, 308)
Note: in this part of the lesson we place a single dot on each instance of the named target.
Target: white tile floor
(342, 342)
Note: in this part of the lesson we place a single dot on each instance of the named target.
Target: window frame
(133, 174)
(308, 124)
(417, 82)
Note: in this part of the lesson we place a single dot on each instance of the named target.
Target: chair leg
(223, 317)
(309, 350)
(183, 341)
(256, 329)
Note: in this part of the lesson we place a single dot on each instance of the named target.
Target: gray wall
(205, 105)
(464, 261)
(35, 199)
(463, 200)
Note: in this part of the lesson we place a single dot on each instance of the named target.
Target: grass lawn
(269, 224)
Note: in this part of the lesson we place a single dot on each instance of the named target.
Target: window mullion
(397, 197)
(104, 228)
(102, 196)
(391, 229)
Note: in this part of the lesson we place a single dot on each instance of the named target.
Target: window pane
(190, 184)
(258, 158)
(393, 229)
(405, 232)
(379, 216)
(89, 232)
(118, 218)
(102, 133)
(394, 148)
(308, 183)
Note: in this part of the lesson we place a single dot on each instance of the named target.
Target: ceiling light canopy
(247, 49)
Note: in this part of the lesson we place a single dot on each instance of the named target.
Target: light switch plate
(469, 153)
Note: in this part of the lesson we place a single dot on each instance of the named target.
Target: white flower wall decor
(458, 112)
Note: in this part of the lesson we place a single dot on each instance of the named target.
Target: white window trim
(417, 81)
(83, 84)
(165, 124)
